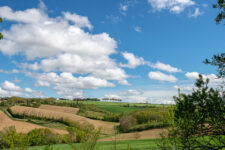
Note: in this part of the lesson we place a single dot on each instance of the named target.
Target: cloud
(125, 5)
(7, 85)
(79, 21)
(165, 67)
(60, 44)
(174, 6)
(137, 29)
(65, 84)
(113, 19)
(53, 36)
(8, 89)
(161, 77)
(196, 13)
(28, 90)
(133, 61)
(150, 96)
(184, 87)
(66, 79)
(103, 67)
(9, 72)
(212, 77)
(17, 80)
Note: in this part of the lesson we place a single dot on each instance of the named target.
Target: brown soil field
(148, 134)
(70, 110)
(22, 127)
(106, 127)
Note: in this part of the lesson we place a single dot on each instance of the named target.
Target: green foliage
(43, 137)
(93, 112)
(148, 118)
(218, 61)
(221, 6)
(127, 122)
(199, 119)
(9, 138)
(147, 144)
(87, 135)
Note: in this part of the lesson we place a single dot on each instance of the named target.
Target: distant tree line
(112, 99)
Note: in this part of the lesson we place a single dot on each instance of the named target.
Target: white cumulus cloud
(212, 77)
(8, 89)
(133, 61)
(162, 77)
(165, 67)
(174, 6)
(61, 44)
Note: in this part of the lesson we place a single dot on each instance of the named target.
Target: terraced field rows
(70, 110)
(22, 127)
(57, 113)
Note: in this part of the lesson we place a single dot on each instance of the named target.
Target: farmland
(97, 119)
(107, 127)
(21, 126)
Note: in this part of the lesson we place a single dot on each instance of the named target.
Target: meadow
(133, 123)
(115, 107)
(146, 144)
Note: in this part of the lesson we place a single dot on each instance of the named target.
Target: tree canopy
(198, 119)
(221, 6)
(219, 61)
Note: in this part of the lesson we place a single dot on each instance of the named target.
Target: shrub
(43, 137)
(126, 122)
(9, 138)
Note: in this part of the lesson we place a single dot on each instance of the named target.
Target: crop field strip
(70, 110)
(22, 127)
(148, 134)
(107, 127)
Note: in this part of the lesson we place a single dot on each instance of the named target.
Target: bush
(87, 136)
(126, 122)
(43, 137)
(9, 138)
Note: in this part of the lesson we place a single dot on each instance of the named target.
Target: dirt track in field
(22, 127)
(58, 113)
(148, 134)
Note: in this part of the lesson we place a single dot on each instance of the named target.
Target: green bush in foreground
(85, 134)
(43, 137)
(9, 138)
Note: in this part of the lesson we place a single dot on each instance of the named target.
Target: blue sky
(137, 50)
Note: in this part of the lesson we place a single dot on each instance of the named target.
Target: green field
(116, 107)
(150, 144)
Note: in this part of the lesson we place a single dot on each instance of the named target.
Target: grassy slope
(121, 145)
